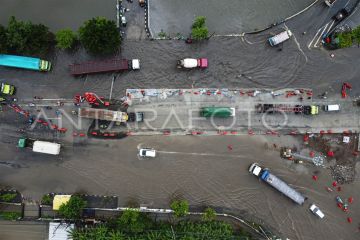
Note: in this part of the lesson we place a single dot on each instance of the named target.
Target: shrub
(65, 39)
(209, 214)
(8, 197)
(47, 200)
(199, 31)
(180, 208)
(73, 208)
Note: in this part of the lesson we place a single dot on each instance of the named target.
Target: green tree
(47, 199)
(131, 221)
(199, 22)
(65, 39)
(345, 39)
(27, 38)
(209, 214)
(180, 208)
(100, 36)
(73, 208)
(199, 33)
(198, 30)
(356, 35)
(3, 39)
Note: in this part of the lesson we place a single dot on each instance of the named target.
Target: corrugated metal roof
(59, 231)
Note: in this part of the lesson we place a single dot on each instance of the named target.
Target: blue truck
(265, 175)
(24, 62)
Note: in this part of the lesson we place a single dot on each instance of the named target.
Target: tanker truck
(265, 175)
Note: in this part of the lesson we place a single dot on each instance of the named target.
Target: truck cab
(45, 65)
(135, 64)
(255, 169)
(136, 117)
(316, 211)
(7, 89)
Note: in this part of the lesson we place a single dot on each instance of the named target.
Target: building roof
(59, 200)
(59, 231)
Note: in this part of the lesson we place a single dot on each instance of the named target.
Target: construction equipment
(297, 109)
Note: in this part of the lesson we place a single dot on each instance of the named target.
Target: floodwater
(57, 14)
(223, 17)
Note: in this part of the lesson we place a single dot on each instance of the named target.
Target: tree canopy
(180, 208)
(65, 39)
(199, 31)
(73, 208)
(3, 39)
(28, 38)
(100, 36)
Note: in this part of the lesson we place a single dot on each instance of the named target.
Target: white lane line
(322, 33)
(325, 27)
(314, 37)
(203, 154)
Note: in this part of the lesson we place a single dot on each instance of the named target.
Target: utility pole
(112, 84)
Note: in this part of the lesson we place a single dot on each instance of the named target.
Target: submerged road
(196, 168)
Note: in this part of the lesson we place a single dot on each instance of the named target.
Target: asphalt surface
(203, 170)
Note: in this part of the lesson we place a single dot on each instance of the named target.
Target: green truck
(220, 112)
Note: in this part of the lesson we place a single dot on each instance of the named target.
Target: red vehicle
(193, 63)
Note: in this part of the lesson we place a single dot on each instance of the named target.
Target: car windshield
(143, 152)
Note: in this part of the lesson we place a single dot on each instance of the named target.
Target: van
(332, 108)
(147, 152)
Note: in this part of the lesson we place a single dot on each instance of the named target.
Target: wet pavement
(57, 15)
(202, 170)
(223, 17)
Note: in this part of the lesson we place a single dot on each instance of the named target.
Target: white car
(147, 152)
(315, 210)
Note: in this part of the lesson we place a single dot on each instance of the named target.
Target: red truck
(104, 66)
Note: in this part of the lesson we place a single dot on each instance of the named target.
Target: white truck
(40, 146)
(192, 63)
(279, 38)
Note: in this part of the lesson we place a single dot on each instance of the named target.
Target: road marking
(203, 154)
(314, 37)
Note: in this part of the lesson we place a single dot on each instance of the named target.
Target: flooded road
(223, 17)
(57, 14)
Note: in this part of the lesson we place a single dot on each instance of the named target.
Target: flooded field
(223, 17)
(57, 14)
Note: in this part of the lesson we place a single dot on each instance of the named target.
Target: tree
(345, 39)
(65, 39)
(356, 35)
(209, 214)
(131, 221)
(100, 36)
(180, 208)
(199, 31)
(199, 22)
(73, 208)
(27, 38)
(3, 39)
